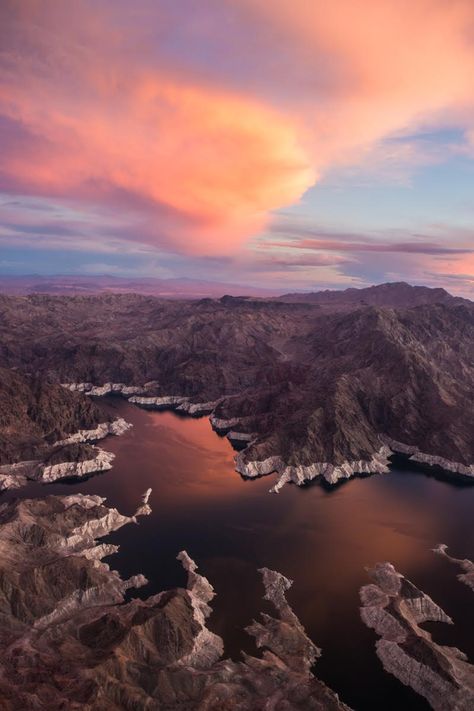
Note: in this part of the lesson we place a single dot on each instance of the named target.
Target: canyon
(325, 387)
(304, 388)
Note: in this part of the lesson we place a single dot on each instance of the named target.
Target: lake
(322, 539)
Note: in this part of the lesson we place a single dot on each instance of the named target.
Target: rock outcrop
(37, 414)
(70, 640)
(139, 395)
(395, 609)
(466, 565)
(72, 457)
(74, 462)
(429, 460)
(115, 427)
(299, 475)
(46, 431)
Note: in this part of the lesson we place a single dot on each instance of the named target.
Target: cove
(322, 539)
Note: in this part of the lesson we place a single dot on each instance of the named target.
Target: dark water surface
(321, 539)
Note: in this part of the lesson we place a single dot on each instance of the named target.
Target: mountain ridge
(394, 293)
(189, 288)
(312, 392)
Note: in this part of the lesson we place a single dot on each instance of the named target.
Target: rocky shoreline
(16, 475)
(84, 461)
(430, 460)
(467, 566)
(103, 429)
(313, 391)
(301, 474)
(376, 463)
(139, 395)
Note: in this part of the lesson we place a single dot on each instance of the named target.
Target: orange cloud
(222, 160)
(396, 65)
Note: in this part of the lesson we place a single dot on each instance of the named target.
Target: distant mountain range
(162, 288)
(392, 294)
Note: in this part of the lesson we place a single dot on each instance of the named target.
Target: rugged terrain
(310, 389)
(47, 431)
(35, 414)
(69, 640)
(393, 294)
(72, 635)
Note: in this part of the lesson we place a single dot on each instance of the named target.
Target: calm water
(321, 539)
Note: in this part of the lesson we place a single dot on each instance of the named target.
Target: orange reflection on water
(183, 457)
(321, 539)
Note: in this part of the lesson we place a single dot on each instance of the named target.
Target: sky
(291, 144)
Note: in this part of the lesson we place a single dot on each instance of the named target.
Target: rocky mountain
(35, 414)
(395, 294)
(47, 431)
(73, 637)
(308, 391)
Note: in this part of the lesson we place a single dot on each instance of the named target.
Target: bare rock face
(101, 461)
(64, 462)
(395, 609)
(116, 427)
(207, 646)
(73, 457)
(431, 460)
(68, 639)
(284, 637)
(300, 474)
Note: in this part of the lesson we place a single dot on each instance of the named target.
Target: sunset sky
(291, 144)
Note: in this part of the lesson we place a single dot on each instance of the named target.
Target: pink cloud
(335, 245)
(399, 64)
(101, 127)
(96, 111)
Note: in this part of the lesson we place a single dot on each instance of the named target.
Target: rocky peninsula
(396, 609)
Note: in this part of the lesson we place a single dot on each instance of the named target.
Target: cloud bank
(189, 125)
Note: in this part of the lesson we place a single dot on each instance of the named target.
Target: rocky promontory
(396, 609)
(467, 566)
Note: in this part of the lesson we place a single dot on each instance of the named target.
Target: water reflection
(322, 540)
